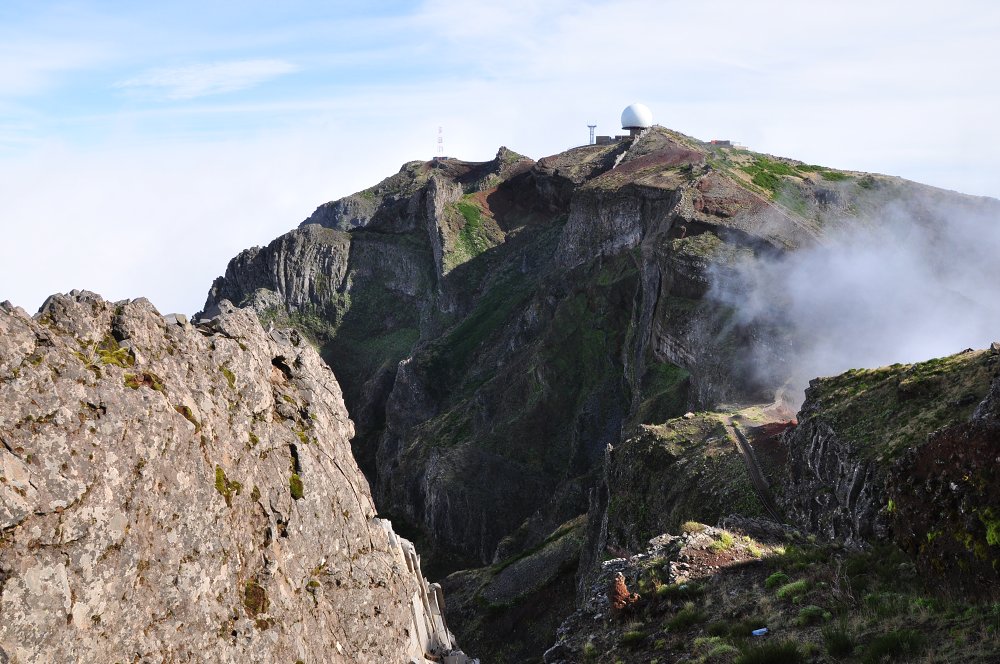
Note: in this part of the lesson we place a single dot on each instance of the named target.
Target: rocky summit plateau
(514, 409)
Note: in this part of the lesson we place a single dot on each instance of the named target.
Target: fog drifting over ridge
(915, 281)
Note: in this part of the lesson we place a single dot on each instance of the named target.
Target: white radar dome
(637, 116)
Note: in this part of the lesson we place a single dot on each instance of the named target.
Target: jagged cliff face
(497, 325)
(170, 492)
(907, 454)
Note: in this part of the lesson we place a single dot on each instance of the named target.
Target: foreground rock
(174, 493)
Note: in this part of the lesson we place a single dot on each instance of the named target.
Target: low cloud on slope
(914, 282)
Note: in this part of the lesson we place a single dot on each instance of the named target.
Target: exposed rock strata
(834, 490)
(903, 453)
(172, 493)
(500, 323)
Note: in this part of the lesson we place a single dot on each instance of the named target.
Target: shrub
(713, 649)
(723, 543)
(719, 629)
(633, 638)
(838, 642)
(775, 580)
(774, 652)
(812, 615)
(793, 591)
(680, 591)
(894, 645)
(743, 628)
(295, 486)
(685, 618)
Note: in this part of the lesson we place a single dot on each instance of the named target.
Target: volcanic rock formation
(171, 492)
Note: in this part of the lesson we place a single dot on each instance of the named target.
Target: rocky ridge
(176, 492)
(498, 326)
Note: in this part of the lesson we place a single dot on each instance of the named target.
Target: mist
(915, 280)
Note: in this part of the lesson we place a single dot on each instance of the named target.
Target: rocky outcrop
(172, 492)
(687, 469)
(835, 490)
(511, 610)
(868, 438)
(945, 501)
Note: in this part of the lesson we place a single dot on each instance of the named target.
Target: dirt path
(756, 476)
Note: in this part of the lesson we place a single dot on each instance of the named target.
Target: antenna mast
(440, 143)
(591, 128)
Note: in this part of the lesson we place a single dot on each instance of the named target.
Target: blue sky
(144, 144)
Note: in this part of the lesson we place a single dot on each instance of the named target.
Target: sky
(143, 145)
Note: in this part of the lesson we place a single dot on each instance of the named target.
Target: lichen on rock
(126, 531)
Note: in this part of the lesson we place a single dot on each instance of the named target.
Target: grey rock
(162, 507)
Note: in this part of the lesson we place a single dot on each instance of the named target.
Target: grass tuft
(773, 652)
(903, 643)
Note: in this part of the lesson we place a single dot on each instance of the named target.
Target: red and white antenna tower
(440, 142)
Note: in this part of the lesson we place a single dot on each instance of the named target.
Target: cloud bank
(914, 282)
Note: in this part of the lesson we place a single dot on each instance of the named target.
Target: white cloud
(161, 221)
(212, 78)
(158, 208)
(31, 66)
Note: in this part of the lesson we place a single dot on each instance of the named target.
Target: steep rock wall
(171, 492)
(835, 491)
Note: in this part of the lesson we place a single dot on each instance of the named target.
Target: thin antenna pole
(440, 142)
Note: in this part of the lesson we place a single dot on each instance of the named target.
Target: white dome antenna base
(637, 117)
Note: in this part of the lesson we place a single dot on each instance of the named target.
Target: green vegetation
(447, 358)
(862, 606)
(226, 488)
(254, 598)
(723, 542)
(708, 247)
(772, 652)
(680, 591)
(793, 591)
(230, 377)
(633, 639)
(472, 239)
(812, 615)
(679, 471)
(886, 410)
(109, 353)
(665, 393)
(838, 642)
(767, 173)
(686, 618)
(992, 523)
(895, 645)
(295, 486)
(714, 649)
(824, 172)
(775, 580)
